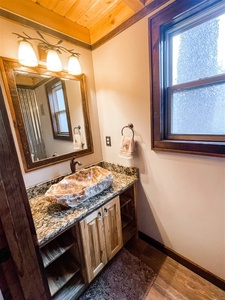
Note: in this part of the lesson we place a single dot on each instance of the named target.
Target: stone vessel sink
(80, 186)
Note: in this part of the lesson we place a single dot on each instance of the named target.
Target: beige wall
(8, 48)
(181, 198)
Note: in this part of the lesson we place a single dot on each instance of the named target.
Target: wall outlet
(108, 141)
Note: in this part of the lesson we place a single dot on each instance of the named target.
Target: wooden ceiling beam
(78, 9)
(110, 21)
(96, 12)
(135, 5)
(40, 15)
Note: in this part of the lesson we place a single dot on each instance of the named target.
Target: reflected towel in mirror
(77, 141)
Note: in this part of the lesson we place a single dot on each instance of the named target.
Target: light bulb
(74, 67)
(53, 61)
(26, 54)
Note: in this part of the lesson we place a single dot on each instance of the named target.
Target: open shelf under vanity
(63, 265)
(128, 213)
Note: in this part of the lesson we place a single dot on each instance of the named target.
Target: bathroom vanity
(76, 243)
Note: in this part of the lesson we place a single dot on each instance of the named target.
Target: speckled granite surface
(51, 219)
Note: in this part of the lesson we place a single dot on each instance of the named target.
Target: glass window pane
(199, 111)
(62, 121)
(199, 51)
(60, 99)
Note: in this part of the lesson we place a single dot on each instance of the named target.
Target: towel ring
(130, 126)
(76, 128)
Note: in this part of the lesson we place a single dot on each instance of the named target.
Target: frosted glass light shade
(74, 67)
(53, 61)
(26, 55)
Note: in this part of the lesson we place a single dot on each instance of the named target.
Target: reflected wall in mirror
(50, 113)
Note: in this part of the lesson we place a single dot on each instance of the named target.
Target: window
(188, 78)
(59, 111)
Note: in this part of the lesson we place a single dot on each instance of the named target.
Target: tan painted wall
(181, 198)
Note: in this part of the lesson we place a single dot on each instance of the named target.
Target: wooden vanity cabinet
(73, 258)
(101, 236)
(64, 265)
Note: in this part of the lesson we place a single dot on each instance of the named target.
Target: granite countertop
(51, 219)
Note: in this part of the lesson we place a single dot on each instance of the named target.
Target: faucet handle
(79, 163)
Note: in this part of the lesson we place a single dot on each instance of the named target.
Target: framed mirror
(50, 113)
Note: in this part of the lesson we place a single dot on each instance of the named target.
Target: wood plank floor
(173, 281)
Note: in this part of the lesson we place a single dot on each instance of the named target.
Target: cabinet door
(113, 228)
(93, 238)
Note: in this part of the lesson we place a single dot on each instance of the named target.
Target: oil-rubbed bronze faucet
(73, 164)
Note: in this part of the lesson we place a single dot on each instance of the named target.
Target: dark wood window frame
(161, 139)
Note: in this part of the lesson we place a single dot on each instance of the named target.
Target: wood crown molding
(35, 26)
(60, 28)
(49, 19)
(151, 9)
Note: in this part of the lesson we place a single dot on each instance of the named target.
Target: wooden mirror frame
(8, 66)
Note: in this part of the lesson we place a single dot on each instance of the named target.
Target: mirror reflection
(51, 114)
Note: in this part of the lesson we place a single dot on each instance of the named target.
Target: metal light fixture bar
(52, 53)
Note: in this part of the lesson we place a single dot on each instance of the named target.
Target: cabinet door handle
(106, 211)
(99, 215)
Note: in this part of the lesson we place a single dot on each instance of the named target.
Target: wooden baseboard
(219, 282)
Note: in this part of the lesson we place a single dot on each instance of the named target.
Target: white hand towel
(77, 141)
(127, 147)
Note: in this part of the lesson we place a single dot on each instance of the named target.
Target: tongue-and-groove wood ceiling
(88, 21)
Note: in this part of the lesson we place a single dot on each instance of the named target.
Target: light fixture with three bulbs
(27, 56)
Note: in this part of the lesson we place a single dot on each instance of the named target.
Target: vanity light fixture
(27, 56)
(74, 67)
(53, 61)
